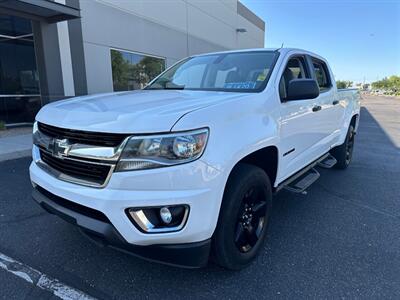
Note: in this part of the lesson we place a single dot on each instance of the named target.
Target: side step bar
(328, 162)
(303, 182)
(300, 181)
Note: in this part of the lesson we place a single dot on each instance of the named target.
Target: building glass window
(19, 78)
(132, 71)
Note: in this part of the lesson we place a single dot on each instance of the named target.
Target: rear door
(299, 129)
(329, 116)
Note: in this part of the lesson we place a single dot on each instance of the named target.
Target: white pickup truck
(186, 168)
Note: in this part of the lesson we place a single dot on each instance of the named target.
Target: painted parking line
(41, 280)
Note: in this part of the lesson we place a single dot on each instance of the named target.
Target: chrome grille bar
(84, 164)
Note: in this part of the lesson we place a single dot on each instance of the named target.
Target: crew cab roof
(280, 50)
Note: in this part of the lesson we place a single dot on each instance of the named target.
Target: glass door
(19, 78)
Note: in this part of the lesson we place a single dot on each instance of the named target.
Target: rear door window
(321, 74)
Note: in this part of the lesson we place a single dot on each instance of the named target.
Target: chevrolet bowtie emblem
(60, 148)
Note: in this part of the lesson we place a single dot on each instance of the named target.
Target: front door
(299, 129)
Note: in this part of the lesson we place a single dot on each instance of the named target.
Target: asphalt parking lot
(342, 239)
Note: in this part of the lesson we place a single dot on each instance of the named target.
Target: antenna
(277, 49)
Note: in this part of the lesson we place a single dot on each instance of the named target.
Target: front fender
(237, 129)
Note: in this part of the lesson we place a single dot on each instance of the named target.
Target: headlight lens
(155, 151)
(35, 127)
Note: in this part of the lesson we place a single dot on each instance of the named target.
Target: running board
(299, 182)
(303, 182)
(328, 162)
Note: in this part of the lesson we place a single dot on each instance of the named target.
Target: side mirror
(302, 89)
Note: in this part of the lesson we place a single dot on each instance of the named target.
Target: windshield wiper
(165, 84)
(175, 87)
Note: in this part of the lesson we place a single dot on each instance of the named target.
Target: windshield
(231, 72)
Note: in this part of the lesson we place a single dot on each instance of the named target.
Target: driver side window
(295, 69)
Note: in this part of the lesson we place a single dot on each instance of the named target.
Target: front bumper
(195, 184)
(100, 229)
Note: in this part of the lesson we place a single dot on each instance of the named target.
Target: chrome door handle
(335, 102)
(316, 108)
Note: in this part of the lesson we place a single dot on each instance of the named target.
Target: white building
(78, 47)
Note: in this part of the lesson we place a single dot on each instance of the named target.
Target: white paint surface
(41, 280)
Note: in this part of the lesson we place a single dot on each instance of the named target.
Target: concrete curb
(15, 155)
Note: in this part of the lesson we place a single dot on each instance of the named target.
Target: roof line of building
(250, 16)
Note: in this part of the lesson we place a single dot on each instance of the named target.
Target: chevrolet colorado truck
(186, 168)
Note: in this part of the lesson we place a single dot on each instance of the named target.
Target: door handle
(335, 102)
(316, 108)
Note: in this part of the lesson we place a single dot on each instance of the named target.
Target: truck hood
(143, 111)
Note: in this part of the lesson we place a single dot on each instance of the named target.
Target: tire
(244, 216)
(344, 152)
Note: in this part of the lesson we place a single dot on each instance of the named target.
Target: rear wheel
(244, 217)
(344, 152)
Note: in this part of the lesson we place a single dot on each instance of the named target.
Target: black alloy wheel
(243, 218)
(251, 219)
(344, 152)
(350, 145)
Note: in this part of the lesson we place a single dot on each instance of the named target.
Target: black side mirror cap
(300, 89)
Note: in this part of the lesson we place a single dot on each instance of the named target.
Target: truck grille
(78, 208)
(82, 170)
(83, 137)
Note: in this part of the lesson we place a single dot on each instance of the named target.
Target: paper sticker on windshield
(261, 77)
(240, 85)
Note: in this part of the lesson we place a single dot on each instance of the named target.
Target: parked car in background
(189, 165)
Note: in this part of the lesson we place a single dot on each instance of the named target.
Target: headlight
(155, 151)
(35, 127)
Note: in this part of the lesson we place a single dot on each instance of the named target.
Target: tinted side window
(321, 75)
(295, 69)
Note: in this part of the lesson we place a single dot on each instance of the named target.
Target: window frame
(311, 61)
(306, 65)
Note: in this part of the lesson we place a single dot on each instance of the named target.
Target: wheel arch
(354, 121)
(265, 158)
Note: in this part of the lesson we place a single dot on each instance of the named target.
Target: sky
(360, 39)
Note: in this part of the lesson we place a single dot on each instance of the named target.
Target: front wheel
(344, 152)
(244, 217)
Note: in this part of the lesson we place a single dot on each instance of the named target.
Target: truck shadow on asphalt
(341, 239)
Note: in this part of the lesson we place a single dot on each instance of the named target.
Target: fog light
(159, 219)
(165, 215)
